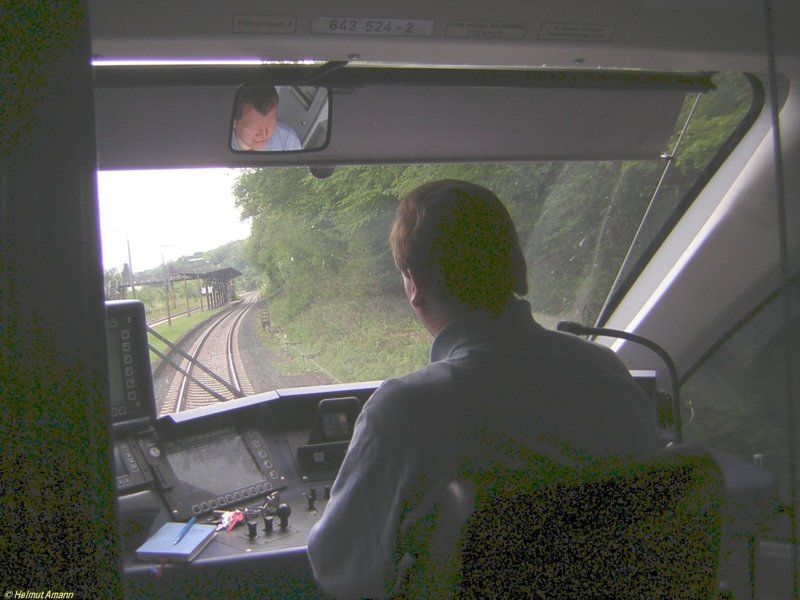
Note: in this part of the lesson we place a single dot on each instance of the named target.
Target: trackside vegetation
(328, 279)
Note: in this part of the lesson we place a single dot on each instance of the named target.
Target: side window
(737, 397)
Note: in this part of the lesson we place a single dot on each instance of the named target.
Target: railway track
(211, 370)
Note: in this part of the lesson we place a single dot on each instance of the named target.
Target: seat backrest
(648, 529)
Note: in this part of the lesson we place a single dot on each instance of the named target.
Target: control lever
(252, 529)
(283, 512)
(271, 504)
(268, 526)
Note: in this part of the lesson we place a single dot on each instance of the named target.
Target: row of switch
(283, 512)
(311, 496)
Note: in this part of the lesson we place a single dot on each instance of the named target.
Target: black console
(212, 469)
(130, 467)
(330, 436)
(131, 394)
(271, 458)
(130, 377)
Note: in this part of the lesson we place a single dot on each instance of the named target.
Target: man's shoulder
(575, 351)
(418, 389)
(433, 377)
(288, 137)
(284, 128)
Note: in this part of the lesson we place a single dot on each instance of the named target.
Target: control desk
(273, 456)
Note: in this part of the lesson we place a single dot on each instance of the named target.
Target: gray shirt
(492, 384)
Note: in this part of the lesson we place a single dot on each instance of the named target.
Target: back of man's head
(459, 241)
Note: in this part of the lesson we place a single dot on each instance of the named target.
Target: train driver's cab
(249, 160)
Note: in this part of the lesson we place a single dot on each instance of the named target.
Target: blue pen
(185, 530)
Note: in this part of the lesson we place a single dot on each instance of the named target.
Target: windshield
(300, 268)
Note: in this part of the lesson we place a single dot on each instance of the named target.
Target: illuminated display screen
(215, 467)
(335, 425)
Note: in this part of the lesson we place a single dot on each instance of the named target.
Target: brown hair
(262, 97)
(459, 240)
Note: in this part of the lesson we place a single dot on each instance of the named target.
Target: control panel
(211, 469)
(329, 439)
(130, 469)
(281, 520)
(130, 377)
(259, 468)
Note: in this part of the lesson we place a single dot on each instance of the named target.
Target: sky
(172, 213)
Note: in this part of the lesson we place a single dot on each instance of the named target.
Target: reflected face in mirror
(255, 122)
(254, 129)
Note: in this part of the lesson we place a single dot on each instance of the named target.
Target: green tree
(320, 245)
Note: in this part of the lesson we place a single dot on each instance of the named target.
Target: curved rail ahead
(214, 371)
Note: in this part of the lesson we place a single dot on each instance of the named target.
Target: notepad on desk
(161, 544)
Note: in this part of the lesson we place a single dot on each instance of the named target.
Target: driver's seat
(635, 530)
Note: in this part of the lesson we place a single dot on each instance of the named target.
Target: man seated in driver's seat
(497, 380)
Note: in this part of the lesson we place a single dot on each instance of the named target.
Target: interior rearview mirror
(269, 118)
